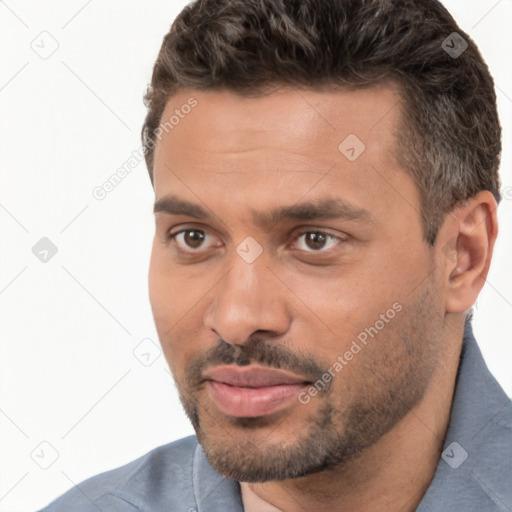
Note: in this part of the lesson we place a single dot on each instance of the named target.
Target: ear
(467, 246)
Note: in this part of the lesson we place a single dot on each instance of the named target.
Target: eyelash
(171, 238)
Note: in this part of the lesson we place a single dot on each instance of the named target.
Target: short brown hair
(450, 136)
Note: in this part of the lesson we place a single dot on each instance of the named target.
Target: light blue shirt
(474, 472)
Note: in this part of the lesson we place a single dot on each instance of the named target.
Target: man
(326, 184)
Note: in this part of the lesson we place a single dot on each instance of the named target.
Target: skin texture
(372, 439)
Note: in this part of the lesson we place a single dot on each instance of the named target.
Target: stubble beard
(337, 430)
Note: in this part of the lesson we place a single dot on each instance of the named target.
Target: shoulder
(491, 457)
(159, 478)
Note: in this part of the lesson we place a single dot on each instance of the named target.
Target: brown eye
(193, 238)
(317, 241)
(190, 238)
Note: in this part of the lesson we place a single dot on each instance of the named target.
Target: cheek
(165, 293)
(175, 309)
(343, 304)
(158, 287)
(341, 296)
(168, 286)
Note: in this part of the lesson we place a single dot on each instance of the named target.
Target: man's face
(296, 340)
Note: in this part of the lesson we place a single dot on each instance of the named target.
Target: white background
(69, 326)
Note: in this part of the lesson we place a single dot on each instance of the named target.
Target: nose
(247, 300)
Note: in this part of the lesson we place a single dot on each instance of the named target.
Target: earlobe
(472, 234)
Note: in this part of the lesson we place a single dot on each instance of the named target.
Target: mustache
(257, 351)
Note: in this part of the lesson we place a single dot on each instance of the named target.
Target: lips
(255, 377)
(252, 391)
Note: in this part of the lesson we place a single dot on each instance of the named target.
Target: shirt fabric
(474, 472)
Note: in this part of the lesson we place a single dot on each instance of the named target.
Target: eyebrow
(317, 209)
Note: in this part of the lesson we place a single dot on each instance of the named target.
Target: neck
(391, 475)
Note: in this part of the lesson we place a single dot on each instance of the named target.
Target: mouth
(253, 391)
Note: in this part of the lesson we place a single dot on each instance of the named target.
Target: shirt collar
(214, 491)
(467, 471)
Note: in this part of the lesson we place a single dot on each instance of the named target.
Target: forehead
(274, 150)
(306, 123)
